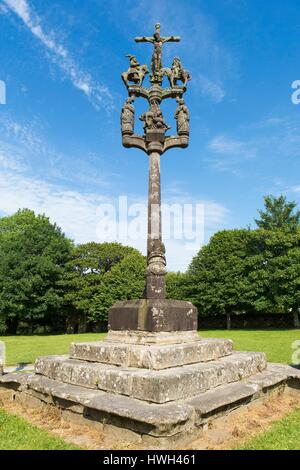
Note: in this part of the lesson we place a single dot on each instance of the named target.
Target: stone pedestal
(153, 315)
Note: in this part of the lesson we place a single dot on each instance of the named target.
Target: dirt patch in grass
(49, 419)
(238, 427)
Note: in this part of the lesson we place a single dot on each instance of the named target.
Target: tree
(86, 269)
(275, 272)
(125, 281)
(175, 285)
(217, 280)
(279, 214)
(33, 253)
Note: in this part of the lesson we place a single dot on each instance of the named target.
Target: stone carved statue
(182, 117)
(157, 40)
(127, 116)
(177, 73)
(153, 118)
(136, 72)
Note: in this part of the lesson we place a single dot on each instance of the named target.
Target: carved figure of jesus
(157, 40)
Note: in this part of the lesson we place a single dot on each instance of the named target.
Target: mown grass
(18, 434)
(25, 349)
(277, 344)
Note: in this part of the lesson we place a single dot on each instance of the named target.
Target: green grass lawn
(18, 434)
(25, 349)
(277, 344)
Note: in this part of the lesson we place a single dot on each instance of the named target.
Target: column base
(153, 315)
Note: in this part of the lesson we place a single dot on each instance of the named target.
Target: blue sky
(60, 144)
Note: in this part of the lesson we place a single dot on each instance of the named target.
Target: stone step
(157, 420)
(154, 356)
(153, 386)
(230, 396)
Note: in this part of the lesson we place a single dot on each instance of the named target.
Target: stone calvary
(153, 381)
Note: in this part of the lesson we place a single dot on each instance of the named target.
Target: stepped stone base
(143, 424)
(160, 386)
(153, 389)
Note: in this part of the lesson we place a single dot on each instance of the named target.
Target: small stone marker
(2, 357)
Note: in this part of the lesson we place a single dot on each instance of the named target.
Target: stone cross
(157, 40)
(154, 142)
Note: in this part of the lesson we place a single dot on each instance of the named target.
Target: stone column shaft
(156, 269)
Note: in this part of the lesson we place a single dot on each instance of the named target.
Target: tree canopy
(125, 281)
(86, 266)
(279, 214)
(33, 253)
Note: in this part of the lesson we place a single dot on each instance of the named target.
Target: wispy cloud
(73, 211)
(98, 94)
(77, 213)
(227, 152)
(24, 147)
(210, 88)
(9, 162)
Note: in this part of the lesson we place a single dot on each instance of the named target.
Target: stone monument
(153, 316)
(153, 381)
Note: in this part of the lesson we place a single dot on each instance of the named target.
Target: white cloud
(99, 95)
(209, 88)
(77, 213)
(228, 152)
(9, 163)
(71, 210)
(294, 189)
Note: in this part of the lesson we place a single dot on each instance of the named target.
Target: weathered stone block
(187, 381)
(155, 357)
(153, 315)
(154, 386)
(135, 414)
(136, 337)
(222, 398)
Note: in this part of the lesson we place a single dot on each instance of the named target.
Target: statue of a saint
(127, 117)
(182, 117)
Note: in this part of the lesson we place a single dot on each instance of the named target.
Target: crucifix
(157, 40)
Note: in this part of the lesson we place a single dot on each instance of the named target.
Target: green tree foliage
(33, 253)
(125, 281)
(217, 277)
(175, 285)
(279, 214)
(247, 271)
(94, 268)
(274, 262)
(87, 264)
